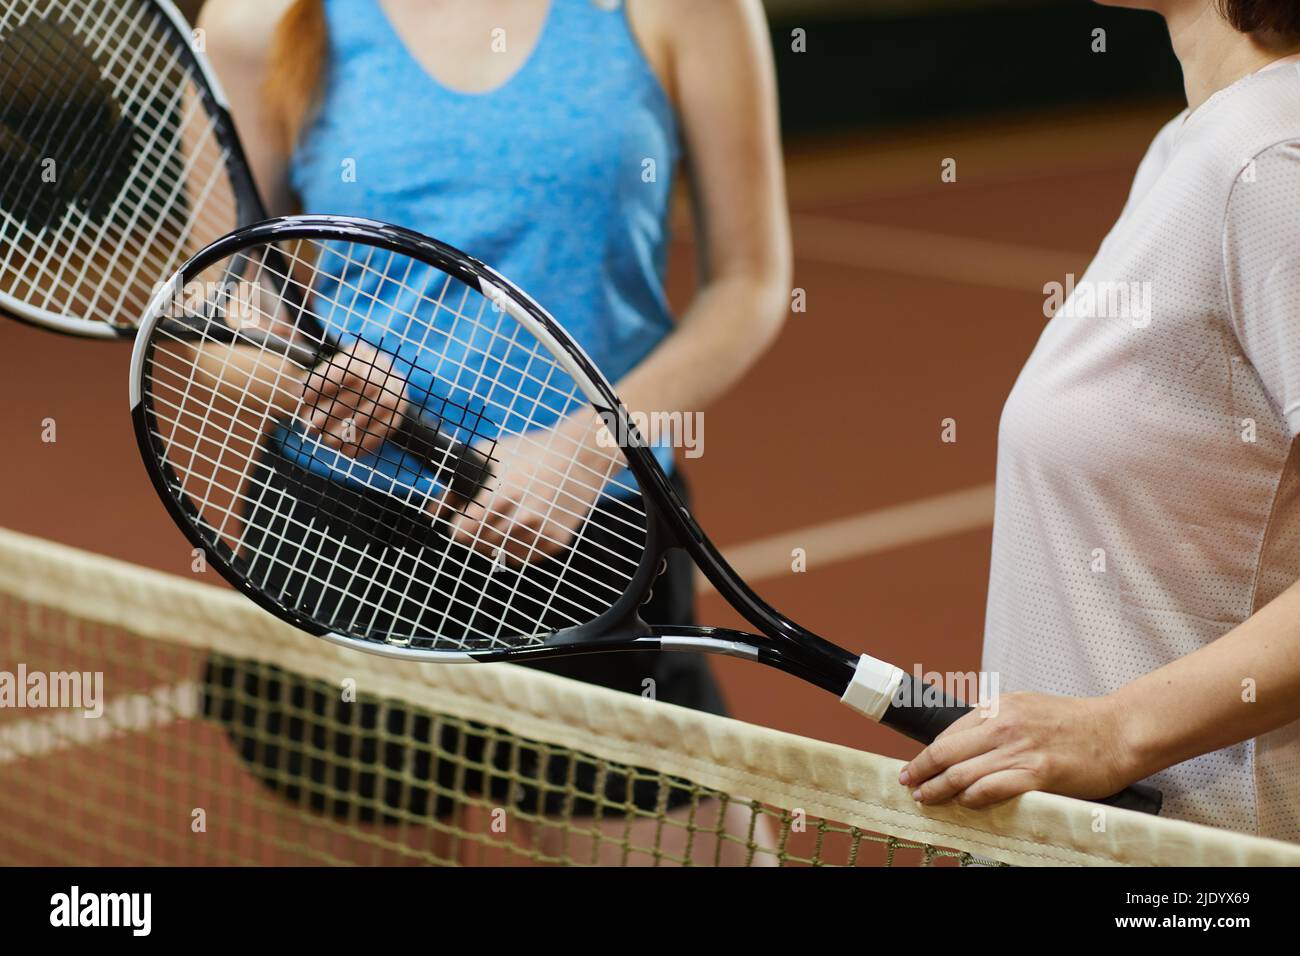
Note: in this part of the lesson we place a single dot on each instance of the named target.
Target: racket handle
(923, 712)
(465, 470)
(1141, 797)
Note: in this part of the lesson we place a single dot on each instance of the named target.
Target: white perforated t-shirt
(1148, 500)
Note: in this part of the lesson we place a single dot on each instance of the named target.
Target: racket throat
(634, 635)
(707, 640)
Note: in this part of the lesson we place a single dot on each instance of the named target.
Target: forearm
(1244, 684)
(727, 328)
(248, 378)
(722, 70)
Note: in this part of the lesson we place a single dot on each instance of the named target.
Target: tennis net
(146, 719)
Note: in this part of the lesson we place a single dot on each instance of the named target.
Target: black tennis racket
(564, 515)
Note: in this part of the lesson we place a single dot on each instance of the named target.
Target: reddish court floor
(923, 299)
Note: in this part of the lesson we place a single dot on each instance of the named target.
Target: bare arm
(343, 400)
(239, 34)
(719, 61)
(1245, 683)
(1242, 685)
(721, 67)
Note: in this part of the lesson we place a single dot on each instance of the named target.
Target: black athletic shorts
(303, 741)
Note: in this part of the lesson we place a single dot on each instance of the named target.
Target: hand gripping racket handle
(463, 469)
(922, 712)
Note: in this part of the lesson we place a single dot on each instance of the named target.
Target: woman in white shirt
(1144, 611)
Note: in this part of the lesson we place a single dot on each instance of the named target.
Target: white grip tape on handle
(873, 686)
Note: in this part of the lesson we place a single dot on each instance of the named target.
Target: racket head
(118, 160)
(359, 569)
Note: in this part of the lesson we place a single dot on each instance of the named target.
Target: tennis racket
(564, 515)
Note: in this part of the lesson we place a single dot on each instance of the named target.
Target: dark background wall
(871, 64)
(874, 63)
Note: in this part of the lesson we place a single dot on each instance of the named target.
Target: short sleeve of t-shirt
(1261, 250)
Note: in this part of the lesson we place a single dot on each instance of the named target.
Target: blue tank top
(542, 178)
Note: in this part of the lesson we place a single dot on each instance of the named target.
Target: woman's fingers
(998, 786)
(1034, 742)
(319, 391)
(540, 494)
(366, 426)
(980, 785)
(965, 739)
(471, 526)
(355, 400)
(526, 533)
(531, 538)
(971, 766)
(383, 416)
(504, 528)
(514, 529)
(963, 778)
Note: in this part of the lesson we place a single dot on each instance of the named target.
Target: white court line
(983, 263)
(870, 533)
(914, 252)
(65, 730)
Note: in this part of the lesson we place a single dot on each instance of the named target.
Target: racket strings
(469, 331)
(592, 480)
(201, 474)
(408, 566)
(570, 399)
(158, 109)
(111, 150)
(163, 68)
(24, 116)
(385, 574)
(136, 200)
(461, 596)
(59, 99)
(249, 493)
(248, 433)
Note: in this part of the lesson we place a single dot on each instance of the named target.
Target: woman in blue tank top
(543, 137)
